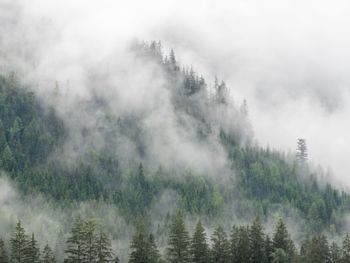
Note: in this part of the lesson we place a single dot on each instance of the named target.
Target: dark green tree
(221, 248)
(103, 248)
(75, 243)
(199, 246)
(33, 251)
(256, 241)
(346, 249)
(47, 255)
(178, 250)
(19, 245)
(335, 253)
(153, 252)
(139, 246)
(3, 254)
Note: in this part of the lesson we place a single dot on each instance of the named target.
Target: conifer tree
(75, 243)
(256, 242)
(280, 237)
(3, 254)
(346, 249)
(241, 252)
(33, 251)
(335, 253)
(268, 250)
(139, 247)
(179, 241)
(19, 245)
(103, 248)
(153, 252)
(199, 246)
(221, 248)
(89, 240)
(47, 255)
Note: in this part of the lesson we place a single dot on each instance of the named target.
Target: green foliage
(178, 250)
(199, 246)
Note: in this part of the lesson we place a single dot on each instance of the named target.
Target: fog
(289, 59)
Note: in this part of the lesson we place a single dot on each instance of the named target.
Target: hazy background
(289, 59)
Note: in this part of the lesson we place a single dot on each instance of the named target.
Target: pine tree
(3, 254)
(179, 241)
(139, 246)
(301, 151)
(199, 246)
(75, 243)
(153, 252)
(268, 250)
(241, 251)
(221, 247)
(19, 245)
(317, 250)
(47, 255)
(33, 251)
(256, 242)
(346, 249)
(103, 248)
(89, 240)
(335, 253)
(281, 237)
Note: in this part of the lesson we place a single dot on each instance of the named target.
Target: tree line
(88, 242)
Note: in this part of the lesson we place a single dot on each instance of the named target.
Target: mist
(288, 59)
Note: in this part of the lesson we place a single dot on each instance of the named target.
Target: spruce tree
(268, 250)
(103, 248)
(153, 252)
(346, 249)
(3, 254)
(19, 245)
(33, 251)
(199, 246)
(179, 241)
(89, 240)
(280, 237)
(139, 247)
(75, 243)
(335, 253)
(47, 255)
(256, 242)
(241, 251)
(221, 248)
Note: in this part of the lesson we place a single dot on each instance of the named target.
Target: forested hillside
(250, 181)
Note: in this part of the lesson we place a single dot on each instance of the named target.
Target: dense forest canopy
(188, 138)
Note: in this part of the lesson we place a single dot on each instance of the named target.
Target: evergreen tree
(179, 241)
(268, 250)
(47, 255)
(335, 253)
(3, 254)
(302, 151)
(221, 248)
(346, 249)
(280, 256)
(33, 251)
(256, 241)
(103, 248)
(89, 240)
(317, 250)
(75, 243)
(199, 246)
(153, 252)
(139, 247)
(241, 251)
(280, 237)
(19, 245)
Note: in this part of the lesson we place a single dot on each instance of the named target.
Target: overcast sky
(289, 59)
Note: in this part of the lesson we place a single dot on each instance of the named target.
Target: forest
(254, 182)
(88, 242)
